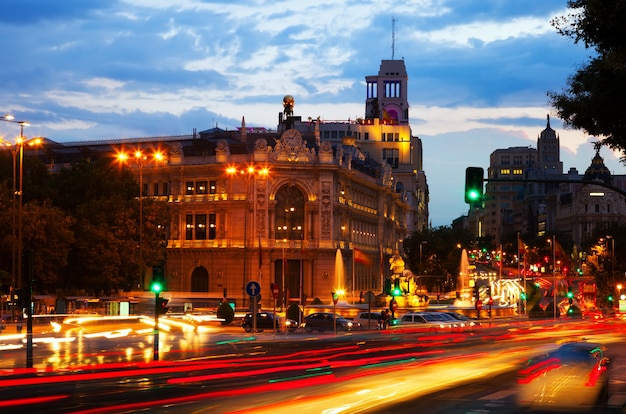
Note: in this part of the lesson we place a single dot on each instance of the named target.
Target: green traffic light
(473, 195)
(156, 287)
(396, 291)
(570, 295)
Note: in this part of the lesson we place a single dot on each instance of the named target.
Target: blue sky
(478, 71)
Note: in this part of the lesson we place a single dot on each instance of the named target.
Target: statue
(397, 263)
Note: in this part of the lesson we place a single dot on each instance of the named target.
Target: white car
(429, 321)
(368, 320)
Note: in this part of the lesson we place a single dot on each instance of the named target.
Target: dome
(597, 170)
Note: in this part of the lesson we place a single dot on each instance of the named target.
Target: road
(231, 371)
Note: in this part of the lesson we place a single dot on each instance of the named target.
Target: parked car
(267, 320)
(571, 378)
(369, 320)
(324, 321)
(426, 320)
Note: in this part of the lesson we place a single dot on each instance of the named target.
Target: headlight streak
(321, 363)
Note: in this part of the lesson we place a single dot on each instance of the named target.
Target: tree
(594, 97)
(437, 251)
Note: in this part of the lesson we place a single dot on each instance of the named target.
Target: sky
(479, 72)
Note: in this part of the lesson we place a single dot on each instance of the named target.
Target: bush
(226, 312)
(293, 312)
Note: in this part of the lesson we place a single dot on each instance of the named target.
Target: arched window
(289, 214)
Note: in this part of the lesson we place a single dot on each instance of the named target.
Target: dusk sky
(478, 72)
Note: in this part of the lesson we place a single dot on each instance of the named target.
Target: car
(429, 321)
(571, 378)
(369, 320)
(469, 323)
(267, 320)
(325, 321)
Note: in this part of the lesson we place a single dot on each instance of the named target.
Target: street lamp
(140, 158)
(612, 256)
(17, 148)
(246, 173)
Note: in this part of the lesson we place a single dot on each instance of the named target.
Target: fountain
(340, 278)
(465, 299)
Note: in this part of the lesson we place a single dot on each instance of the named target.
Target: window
(392, 89)
(189, 188)
(391, 156)
(212, 187)
(201, 187)
(366, 136)
(200, 226)
(505, 171)
(517, 172)
(155, 189)
(165, 189)
(212, 226)
(372, 90)
(289, 217)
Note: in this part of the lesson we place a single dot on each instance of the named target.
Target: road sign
(369, 297)
(253, 288)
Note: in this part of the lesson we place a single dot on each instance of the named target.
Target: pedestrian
(383, 319)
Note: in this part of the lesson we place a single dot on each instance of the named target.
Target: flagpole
(353, 262)
(284, 293)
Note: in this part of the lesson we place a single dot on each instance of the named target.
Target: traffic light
(473, 185)
(158, 279)
(523, 295)
(396, 291)
(387, 288)
(570, 298)
(161, 307)
(475, 292)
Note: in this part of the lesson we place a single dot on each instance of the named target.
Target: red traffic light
(161, 307)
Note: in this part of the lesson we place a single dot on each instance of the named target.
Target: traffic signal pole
(157, 303)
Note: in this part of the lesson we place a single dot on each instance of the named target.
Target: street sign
(253, 288)
(369, 297)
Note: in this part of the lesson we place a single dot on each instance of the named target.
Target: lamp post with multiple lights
(17, 150)
(140, 158)
(247, 173)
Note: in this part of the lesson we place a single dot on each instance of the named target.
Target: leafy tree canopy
(593, 99)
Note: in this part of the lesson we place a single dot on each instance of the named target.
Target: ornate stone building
(314, 207)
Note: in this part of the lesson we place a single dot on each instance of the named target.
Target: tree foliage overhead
(594, 97)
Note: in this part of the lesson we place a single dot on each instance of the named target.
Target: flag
(361, 257)
(521, 248)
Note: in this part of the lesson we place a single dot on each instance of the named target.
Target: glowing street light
(140, 158)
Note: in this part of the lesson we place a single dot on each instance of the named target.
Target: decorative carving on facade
(222, 148)
(326, 216)
(291, 147)
(175, 156)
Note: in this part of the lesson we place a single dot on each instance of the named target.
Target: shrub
(226, 312)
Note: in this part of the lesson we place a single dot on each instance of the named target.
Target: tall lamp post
(18, 147)
(140, 158)
(251, 171)
(612, 257)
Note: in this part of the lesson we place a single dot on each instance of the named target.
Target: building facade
(314, 207)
